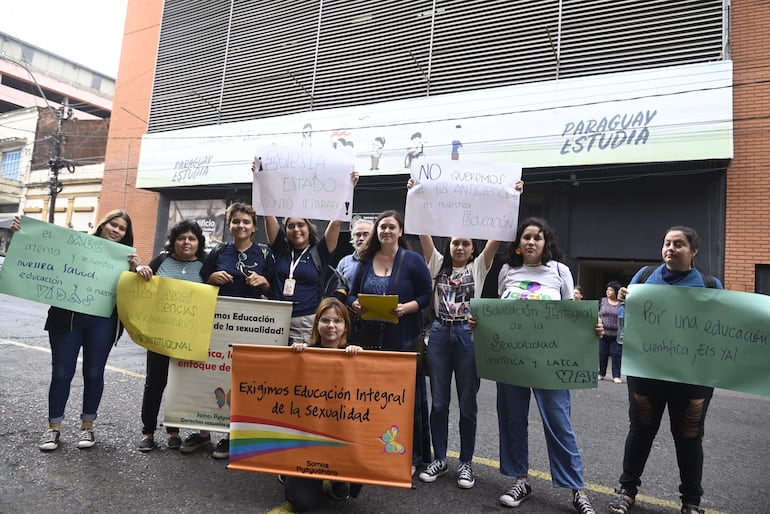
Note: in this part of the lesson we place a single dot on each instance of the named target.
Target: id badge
(288, 287)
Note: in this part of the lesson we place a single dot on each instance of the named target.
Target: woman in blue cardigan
(388, 266)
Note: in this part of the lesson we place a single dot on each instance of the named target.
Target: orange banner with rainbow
(324, 414)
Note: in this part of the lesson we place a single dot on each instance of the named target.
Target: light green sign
(541, 344)
(65, 268)
(700, 336)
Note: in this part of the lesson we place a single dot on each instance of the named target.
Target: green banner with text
(62, 267)
(541, 344)
(700, 336)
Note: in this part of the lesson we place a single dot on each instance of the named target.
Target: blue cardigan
(414, 283)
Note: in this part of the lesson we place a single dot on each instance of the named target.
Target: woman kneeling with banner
(331, 328)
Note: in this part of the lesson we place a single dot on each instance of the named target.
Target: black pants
(687, 406)
(154, 385)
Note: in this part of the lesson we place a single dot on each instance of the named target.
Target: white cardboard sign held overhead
(294, 181)
(463, 199)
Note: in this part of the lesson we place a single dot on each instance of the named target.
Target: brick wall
(747, 228)
(131, 108)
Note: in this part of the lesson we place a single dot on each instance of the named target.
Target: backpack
(708, 280)
(333, 283)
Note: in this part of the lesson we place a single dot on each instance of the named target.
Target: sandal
(623, 502)
(691, 509)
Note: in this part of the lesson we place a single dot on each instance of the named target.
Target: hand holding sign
(294, 181)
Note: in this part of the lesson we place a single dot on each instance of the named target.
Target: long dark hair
(183, 227)
(312, 230)
(446, 265)
(372, 244)
(128, 237)
(551, 251)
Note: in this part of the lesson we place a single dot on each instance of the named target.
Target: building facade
(538, 83)
(49, 107)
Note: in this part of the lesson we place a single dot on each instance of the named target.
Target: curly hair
(183, 227)
(551, 251)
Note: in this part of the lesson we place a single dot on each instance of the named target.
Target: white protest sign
(198, 393)
(307, 183)
(463, 199)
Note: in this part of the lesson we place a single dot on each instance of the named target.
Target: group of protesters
(434, 291)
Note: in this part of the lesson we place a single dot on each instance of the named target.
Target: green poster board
(542, 344)
(65, 268)
(699, 336)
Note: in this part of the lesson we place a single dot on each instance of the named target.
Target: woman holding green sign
(68, 331)
(648, 398)
(532, 271)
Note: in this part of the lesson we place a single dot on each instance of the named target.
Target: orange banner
(323, 414)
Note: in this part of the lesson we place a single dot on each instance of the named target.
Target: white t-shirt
(552, 281)
(454, 293)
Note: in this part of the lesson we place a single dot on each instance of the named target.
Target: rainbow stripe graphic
(252, 437)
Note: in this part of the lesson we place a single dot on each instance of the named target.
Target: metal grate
(228, 60)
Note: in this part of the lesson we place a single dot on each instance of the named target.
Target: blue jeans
(609, 347)
(450, 349)
(96, 336)
(555, 407)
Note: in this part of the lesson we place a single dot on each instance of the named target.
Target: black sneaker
(581, 504)
(194, 442)
(49, 441)
(435, 469)
(513, 497)
(222, 451)
(87, 439)
(147, 444)
(174, 442)
(465, 477)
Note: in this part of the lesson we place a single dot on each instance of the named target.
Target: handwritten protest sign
(62, 267)
(462, 198)
(536, 343)
(168, 316)
(710, 337)
(199, 392)
(294, 181)
(323, 414)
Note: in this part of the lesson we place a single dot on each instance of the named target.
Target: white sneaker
(49, 441)
(87, 439)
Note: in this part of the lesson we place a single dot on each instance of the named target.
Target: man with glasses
(359, 233)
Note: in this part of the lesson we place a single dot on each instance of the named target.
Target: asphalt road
(114, 477)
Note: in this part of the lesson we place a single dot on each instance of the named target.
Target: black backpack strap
(708, 280)
(316, 258)
(646, 272)
(157, 261)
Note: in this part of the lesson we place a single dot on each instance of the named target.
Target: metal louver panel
(604, 36)
(188, 73)
(232, 60)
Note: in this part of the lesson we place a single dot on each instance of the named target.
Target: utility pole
(57, 163)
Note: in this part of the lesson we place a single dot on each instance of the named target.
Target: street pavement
(114, 477)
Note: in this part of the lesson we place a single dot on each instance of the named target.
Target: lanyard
(293, 264)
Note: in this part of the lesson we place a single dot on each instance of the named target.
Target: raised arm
(332, 235)
(272, 227)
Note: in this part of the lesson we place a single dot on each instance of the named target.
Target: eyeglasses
(359, 235)
(329, 321)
